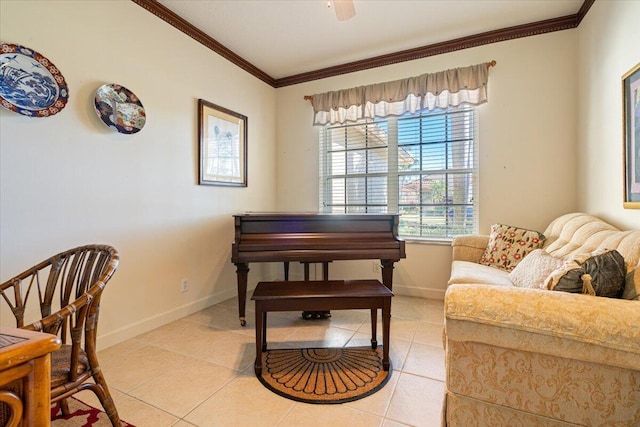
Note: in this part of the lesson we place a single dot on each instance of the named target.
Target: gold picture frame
(631, 137)
(223, 146)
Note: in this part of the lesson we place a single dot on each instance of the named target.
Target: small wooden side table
(25, 377)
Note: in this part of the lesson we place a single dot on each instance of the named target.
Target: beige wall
(608, 48)
(550, 143)
(68, 180)
(528, 171)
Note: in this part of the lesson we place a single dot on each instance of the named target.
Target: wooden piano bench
(318, 296)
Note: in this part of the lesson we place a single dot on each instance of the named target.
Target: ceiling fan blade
(345, 9)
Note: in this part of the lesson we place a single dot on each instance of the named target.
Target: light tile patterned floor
(198, 371)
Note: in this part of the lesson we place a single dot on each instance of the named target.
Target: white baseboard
(131, 331)
(409, 291)
(146, 325)
(429, 293)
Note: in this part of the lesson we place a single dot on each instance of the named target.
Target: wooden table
(319, 296)
(25, 377)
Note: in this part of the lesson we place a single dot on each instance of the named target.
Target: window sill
(445, 241)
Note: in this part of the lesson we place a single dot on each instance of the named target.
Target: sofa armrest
(572, 326)
(469, 247)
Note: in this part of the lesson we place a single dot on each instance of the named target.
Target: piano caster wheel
(316, 315)
(243, 322)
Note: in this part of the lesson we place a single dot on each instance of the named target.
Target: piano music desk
(319, 296)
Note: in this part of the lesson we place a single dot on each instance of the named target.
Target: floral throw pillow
(508, 245)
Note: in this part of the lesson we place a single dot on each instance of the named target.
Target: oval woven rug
(324, 375)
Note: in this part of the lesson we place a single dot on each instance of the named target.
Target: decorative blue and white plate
(119, 108)
(29, 83)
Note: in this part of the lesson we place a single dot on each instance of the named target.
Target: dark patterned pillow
(601, 273)
(508, 245)
(632, 286)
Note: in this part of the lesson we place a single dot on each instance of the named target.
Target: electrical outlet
(184, 287)
(376, 266)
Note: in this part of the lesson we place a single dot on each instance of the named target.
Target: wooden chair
(61, 296)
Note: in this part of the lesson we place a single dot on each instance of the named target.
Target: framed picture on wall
(223, 146)
(631, 117)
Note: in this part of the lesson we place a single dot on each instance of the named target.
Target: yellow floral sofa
(534, 357)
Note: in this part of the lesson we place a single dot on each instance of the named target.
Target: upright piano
(313, 238)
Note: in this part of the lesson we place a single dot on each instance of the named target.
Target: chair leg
(102, 391)
(64, 407)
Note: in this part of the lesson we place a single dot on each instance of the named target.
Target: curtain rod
(490, 64)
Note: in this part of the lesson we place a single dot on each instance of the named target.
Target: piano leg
(387, 273)
(325, 271)
(242, 271)
(314, 315)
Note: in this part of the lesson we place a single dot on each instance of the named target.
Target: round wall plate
(119, 108)
(29, 83)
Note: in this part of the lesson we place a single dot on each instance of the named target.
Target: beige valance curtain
(453, 87)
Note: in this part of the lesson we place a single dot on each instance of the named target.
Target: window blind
(423, 166)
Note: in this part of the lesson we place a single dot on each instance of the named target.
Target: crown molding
(510, 33)
(171, 18)
(584, 9)
(495, 36)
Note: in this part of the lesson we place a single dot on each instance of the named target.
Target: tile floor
(198, 371)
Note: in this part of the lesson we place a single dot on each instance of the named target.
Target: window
(422, 166)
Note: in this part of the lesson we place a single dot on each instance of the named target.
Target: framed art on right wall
(631, 123)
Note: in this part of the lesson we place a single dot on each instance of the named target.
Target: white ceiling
(289, 37)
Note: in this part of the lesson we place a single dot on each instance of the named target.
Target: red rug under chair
(81, 415)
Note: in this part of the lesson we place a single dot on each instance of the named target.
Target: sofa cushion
(508, 245)
(534, 268)
(570, 322)
(578, 233)
(472, 272)
(600, 273)
(632, 285)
